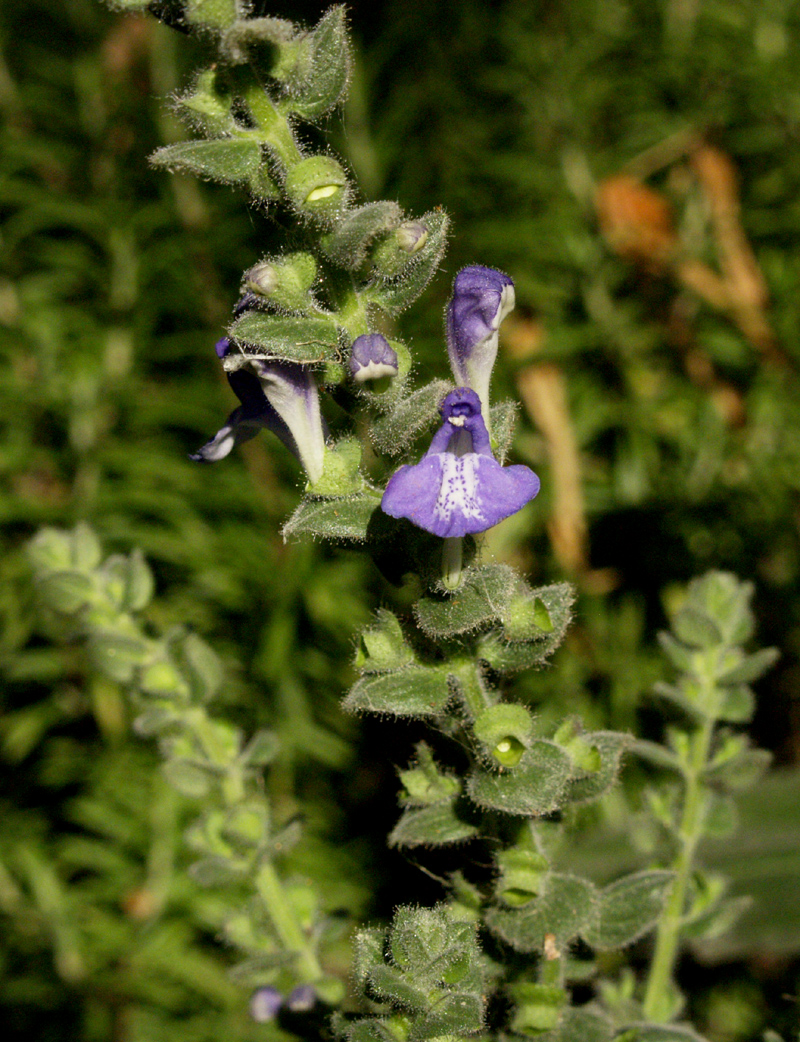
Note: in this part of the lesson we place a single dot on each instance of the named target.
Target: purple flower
(281, 396)
(372, 357)
(265, 1004)
(301, 999)
(482, 297)
(458, 487)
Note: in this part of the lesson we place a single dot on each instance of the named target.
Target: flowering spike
(458, 487)
(372, 357)
(482, 297)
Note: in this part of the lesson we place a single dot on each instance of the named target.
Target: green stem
(657, 1004)
(285, 923)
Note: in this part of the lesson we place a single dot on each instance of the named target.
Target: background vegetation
(634, 166)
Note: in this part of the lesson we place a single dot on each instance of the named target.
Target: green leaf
(345, 519)
(50, 550)
(189, 779)
(140, 585)
(664, 1033)
(66, 592)
(480, 599)
(741, 771)
(229, 160)
(394, 295)
(118, 655)
(738, 704)
(751, 667)
(347, 244)
(383, 647)
(86, 550)
(417, 691)
(627, 909)
(503, 420)
(535, 787)
(392, 984)
(200, 665)
(581, 1025)
(320, 80)
(696, 629)
(564, 908)
(262, 749)
(656, 754)
(454, 1014)
(393, 433)
(261, 335)
(433, 826)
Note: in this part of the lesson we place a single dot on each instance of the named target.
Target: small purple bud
(482, 297)
(372, 357)
(302, 998)
(262, 279)
(222, 346)
(411, 236)
(265, 1004)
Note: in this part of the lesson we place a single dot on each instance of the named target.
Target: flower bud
(372, 358)
(317, 186)
(411, 236)
(393, 253)
(283, 281)
(482, 297)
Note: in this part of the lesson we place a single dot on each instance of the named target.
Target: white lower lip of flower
(459, 488)
(457, 421)
(374, 371)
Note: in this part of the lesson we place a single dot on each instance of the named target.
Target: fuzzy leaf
(512, 656)
(117, 655)
(346, 519)
(348, 242)
(393, 433)
(656, 754)
(564, 908)
(262, 335)
(433, 826)
(320, 82)
(738, 705)
(66, 592)
(751, 667)
(627, 909)
(396, 294)
(741, 771)
(230, 160)
(694, 628)
(382, 646)
(580, 1025)
(535, 787)
(418, 691)
(480, 599)
(200, 665)
(503, 420)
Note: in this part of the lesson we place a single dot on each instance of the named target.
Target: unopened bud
(371, 358)
(301, 999)
(284, 281)
(411, 236)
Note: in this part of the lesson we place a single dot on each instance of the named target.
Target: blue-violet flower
(281, 396)
(372, 357)
(482, 297)
(458, 487)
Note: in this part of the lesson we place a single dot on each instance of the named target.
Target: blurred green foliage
(114, 282)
